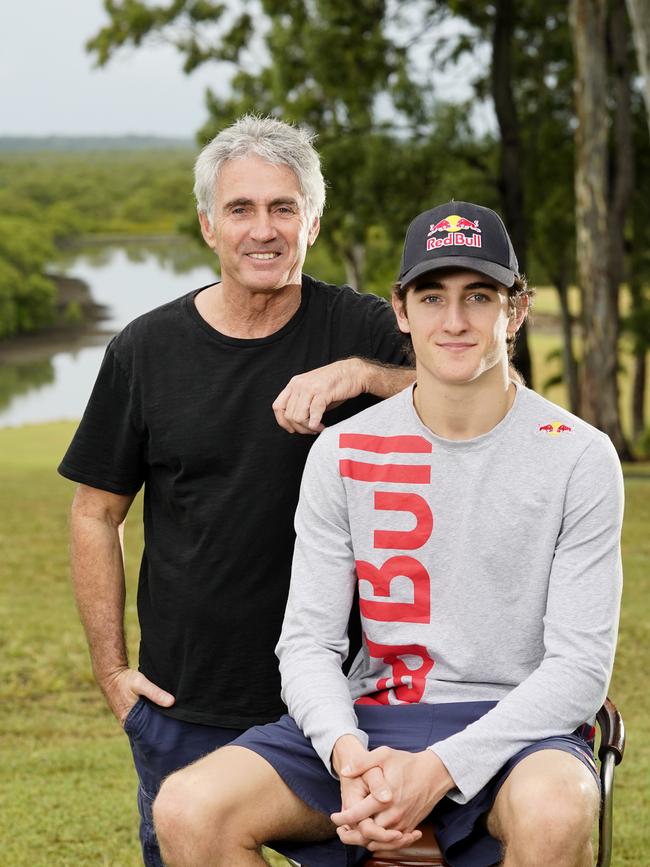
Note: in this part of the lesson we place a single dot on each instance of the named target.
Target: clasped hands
(385, 793)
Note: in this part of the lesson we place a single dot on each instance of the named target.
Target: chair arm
(612, 732)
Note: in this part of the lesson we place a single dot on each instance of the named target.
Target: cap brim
(502, 275)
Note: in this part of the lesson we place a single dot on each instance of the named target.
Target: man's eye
(431, 299)
(478, 297)
(285, 209)
(239, 210)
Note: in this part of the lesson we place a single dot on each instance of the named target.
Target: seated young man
(481, 525)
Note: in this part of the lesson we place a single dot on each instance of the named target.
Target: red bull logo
(455, 226)
(554, 428)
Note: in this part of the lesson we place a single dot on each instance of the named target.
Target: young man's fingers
(358, 812)
(351, 836)
(407, 839)
(372, 831)
(377, 784)
(380, 837)
(364, 763)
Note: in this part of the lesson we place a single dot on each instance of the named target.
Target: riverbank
(78, 323)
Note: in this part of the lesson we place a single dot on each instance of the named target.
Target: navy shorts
(460, 828)
(160, 746)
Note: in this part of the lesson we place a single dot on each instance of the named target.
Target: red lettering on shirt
(417, 611)
(407, 445)
(407, 683)
(404, 473)
(405, 540)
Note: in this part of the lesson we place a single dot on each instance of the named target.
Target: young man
(481, 524)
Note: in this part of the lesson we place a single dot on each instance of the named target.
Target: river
(127, 280)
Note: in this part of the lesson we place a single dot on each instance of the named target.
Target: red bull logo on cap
(455, 227)
(554, 428)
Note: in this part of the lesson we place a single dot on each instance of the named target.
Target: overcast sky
(48, 84)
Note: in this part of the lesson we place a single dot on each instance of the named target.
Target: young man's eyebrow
(469, 287)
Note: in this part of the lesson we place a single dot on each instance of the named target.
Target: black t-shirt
(186, 411)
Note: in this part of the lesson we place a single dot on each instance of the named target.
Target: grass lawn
(67, 793)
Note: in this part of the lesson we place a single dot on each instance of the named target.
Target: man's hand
(125, 686)
(300, 406)
(417, 782)
(368, 793)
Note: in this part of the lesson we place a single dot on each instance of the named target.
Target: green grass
(67, 792)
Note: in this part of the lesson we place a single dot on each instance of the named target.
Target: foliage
(346, 71)
(26, 296)
(56, 727)
(49, 200)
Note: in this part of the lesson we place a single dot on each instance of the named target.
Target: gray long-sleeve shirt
(488, 570)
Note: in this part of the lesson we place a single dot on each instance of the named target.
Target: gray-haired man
(184, 405)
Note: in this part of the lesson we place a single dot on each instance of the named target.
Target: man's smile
(262, 257)
(456, 347)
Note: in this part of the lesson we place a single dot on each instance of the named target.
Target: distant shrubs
(27, 297)
(49, 200)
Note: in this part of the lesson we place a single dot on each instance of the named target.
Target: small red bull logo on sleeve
(554, 428)
(456, 227)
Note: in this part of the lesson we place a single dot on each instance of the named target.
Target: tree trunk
(622, 159)
(570, 364)
(599, 381)
(639, 374)
(639, 11)
(510, 180)
(354, 259)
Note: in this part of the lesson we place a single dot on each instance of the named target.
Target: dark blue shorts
(162, 745)
(460, 828)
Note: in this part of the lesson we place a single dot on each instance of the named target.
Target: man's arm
(98, 581)
(314, 641)
(580, 629)
(301, 405)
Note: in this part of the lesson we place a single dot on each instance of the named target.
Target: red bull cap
(459, 235)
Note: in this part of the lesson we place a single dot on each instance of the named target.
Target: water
(128, 281)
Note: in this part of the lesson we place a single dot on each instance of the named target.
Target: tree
(639, 12)
(600, 370)
(327, 64)
(639, 321)
(27, 298)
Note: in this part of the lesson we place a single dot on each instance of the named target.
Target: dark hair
(516, 292)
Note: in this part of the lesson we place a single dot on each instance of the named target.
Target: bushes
(48, 200)
(27, 297)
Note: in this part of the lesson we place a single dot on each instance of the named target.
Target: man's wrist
(436, 767)
(106, 677)
(344, 751)
(382, 380)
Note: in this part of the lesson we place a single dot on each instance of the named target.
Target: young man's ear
(399, 306)
(518, 314)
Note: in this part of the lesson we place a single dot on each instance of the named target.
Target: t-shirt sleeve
(387, 343)
(106, 451)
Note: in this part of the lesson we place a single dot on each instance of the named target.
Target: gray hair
(272, 140)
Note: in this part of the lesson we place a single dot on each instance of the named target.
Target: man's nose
(455, 317)
(263, 228)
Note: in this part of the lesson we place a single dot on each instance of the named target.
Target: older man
(184, 404)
